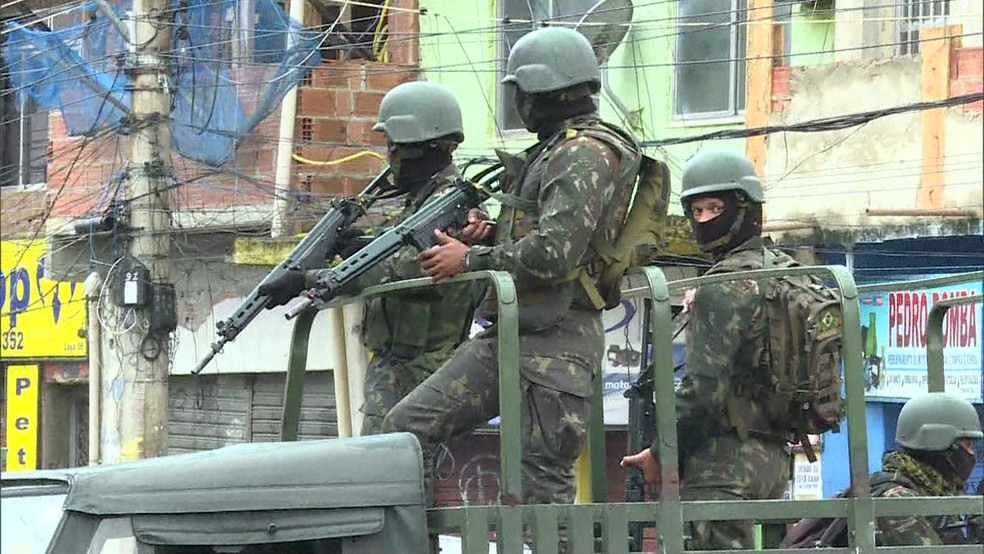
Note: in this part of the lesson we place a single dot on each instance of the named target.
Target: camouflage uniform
(913, 478)
(568, 191)
(725, 331)
(410, 334)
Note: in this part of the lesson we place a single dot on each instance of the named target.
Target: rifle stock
(447, 210)
(311, 253)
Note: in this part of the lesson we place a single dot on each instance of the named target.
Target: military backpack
(802, 353)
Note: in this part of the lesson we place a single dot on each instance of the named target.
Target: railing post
(669, 517)
(934, 339)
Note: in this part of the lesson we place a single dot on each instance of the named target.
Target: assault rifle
(447, 210)
(642, 420)
(311, 253)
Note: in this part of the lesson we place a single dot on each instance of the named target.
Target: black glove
(350, 241)
(282, 289)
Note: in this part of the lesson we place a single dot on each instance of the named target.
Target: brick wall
(966, 69)
(23, 213)
(337, 106)
(781, 96)
(967, 66)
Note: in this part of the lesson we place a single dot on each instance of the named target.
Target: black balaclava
(955, 464)
(413, 165)
(543, 114)
(740, 221)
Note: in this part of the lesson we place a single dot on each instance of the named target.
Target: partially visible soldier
(935, 433)
(729, 448)
(565, 196)
(410, 334)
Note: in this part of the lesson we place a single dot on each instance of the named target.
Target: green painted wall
(458, 49)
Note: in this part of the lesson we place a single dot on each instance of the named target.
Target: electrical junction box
(133, 288)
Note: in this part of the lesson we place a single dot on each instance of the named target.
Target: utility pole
(136, 413)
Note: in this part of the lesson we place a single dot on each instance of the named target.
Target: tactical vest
(545, 303)
(412, 323)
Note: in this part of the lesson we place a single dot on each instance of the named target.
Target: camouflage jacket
(568, 191)
(725, 330)
(412, 323)
(914, 478)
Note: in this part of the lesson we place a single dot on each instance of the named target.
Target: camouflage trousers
(464, 394)
(727, 468)
(390, 377)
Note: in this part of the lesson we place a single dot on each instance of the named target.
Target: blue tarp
(229, 67)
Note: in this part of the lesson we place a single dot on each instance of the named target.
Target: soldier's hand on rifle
(445, 260)
(351, 241)
(479, 228)
(646, 462)
(284, 288)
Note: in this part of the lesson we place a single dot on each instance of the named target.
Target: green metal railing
(509, 397)
(546, 524)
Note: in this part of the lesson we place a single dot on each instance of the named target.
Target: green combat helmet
(551, 59)
(934, 421)
(718, 170)
(419, 111)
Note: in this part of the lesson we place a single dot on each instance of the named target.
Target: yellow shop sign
(39, 318)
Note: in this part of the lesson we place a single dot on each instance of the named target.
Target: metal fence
(594, 527)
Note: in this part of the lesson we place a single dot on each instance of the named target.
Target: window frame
(736, 76)
(912, 26)
(28, 154)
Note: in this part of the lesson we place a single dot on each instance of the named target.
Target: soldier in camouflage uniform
(410, 334)
(722, 197)
(936, 433)
(562, 196)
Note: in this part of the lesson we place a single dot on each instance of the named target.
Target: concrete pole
(136, 404)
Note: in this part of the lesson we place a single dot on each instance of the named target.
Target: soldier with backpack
(935, 433)
(736, 405)
(565, 200)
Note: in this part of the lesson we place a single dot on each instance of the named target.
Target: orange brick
(315, 102)
(335, 75)
(329, 186)
(382, 78)
(969, 63)
(360, 132)
(367, 103)
(328, 130)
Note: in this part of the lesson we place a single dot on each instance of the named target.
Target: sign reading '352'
(39, 318)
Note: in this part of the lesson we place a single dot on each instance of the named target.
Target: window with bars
(915, 15)
(23, 137)
(709, 60)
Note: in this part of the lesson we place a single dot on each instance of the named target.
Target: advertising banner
(23, 382)
(893, 331)
(39, 318)
(623, 357)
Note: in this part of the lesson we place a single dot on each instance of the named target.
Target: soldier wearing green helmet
(935, 434)
(409, 334)
(731, 448)
(561, 198)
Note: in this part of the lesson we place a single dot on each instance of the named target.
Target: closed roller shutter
(211, 411)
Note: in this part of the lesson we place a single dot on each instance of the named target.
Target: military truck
(365, 495)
